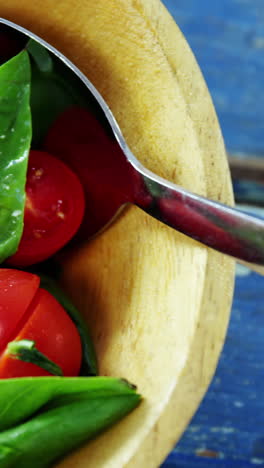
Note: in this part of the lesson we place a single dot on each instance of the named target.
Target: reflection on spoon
(112, 176)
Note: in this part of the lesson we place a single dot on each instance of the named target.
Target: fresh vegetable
(41, 57)
(17, 290)
(42, 419)
(63, 414)
(53, 212)
(31, 313)
(89, 361)
(74, 126)
(25, 350)
(15, 139)
(78, 139)
(54, 89)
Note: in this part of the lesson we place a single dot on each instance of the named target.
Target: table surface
(227, 37)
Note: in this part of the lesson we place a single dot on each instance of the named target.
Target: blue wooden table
(227, 37)
(228, 430)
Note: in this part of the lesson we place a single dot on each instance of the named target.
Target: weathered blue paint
(249, 192)
(230, 420)
(227, 38)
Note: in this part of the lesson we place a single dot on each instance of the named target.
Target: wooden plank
(227, 37)
(229, 423)
(251, 168)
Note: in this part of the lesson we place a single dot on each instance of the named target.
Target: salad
(51, 398)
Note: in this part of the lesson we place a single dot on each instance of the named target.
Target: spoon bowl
(126, 180)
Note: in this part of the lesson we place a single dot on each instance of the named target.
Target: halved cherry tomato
(17, 290)
(28, 312)
(54, 209)
(78, 139)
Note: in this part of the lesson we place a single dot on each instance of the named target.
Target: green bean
(22, 397)
(65, 412)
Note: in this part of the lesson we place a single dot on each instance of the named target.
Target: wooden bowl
(157, 303)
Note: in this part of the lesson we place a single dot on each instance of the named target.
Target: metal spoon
(225, 229)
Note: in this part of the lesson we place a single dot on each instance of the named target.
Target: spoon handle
(221, 227)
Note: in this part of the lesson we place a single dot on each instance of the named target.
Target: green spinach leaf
(55, 88)
(15, 139)
(41, 56)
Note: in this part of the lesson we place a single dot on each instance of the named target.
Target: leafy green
(89, 361)
(55, 88)
(65, 412)
(15, 139)
(41, 56)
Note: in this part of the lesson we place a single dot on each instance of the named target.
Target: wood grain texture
(157, 303)
(227, 37)
(232, 430)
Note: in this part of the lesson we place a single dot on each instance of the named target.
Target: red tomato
(74, 125)
(53, 212)
(31, 313)
(106, 184)
(17, 290)
(78, 139)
